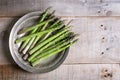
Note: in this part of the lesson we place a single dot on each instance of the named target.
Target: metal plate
(44, 66)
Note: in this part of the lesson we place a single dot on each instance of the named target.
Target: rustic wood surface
(96, 56)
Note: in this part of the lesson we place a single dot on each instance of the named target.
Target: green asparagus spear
(47, 40)
(69, 38)
(35, 34)
(52, 52)
(35, 39)
(48, 34)
(38, 37)
(24, 30)
(46, 51)
(65, 38)
(47, 45)
(44, 14)
(28, 41)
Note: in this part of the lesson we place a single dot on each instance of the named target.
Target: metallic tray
(44, 66)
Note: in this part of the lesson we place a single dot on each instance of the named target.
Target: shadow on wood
(5, 40)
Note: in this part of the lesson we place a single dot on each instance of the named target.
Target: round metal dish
(44, 66)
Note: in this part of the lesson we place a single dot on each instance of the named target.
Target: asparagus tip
(46, 10)
(77, 35)
(69, 21)
(53, 12)
(75, 41)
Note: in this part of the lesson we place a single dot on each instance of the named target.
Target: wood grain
(99, 40)
(64, 72)
(63, 7)
(94, 57)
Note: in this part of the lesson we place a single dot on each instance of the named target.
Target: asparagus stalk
(68, 38)
(28, 41)
(48, 34)
(51, 46)
(35, 34)
(35, 39)
(24, 30)
(52, 14)
(44, 14)
(52, 52)
(38, 37)
(47, 40)
(47, 45)
(46, 51)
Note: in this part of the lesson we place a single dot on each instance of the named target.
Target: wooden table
(96, 56)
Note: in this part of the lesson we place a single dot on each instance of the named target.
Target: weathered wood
(65, 72)
(63, 7)
(106, 72)
(116, 70)
(99, 40)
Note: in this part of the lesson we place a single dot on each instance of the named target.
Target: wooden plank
(69, 7)
(99, 40)
(106, 72)
(116, 70)
(65, 72)
(5, 26)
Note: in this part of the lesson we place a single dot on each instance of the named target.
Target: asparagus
(68, 38)
(48, 34)
(43, 28)
(52, 14)
(47, 40)
(47, 45)
(52, 52)
(44, 14)
(38, 37)
(46, 51)
(24, 30)
(35, 34)
(27, 41)
(34, 38)
(52, 45)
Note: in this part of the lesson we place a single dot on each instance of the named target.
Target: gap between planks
(68, 16)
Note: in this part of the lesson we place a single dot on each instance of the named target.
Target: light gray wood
(116, 70)
(106, 72)
(65, 72)
(99, 40)
(62, 7)
(98, 43)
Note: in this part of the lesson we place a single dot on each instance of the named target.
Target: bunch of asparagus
(48, 37)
